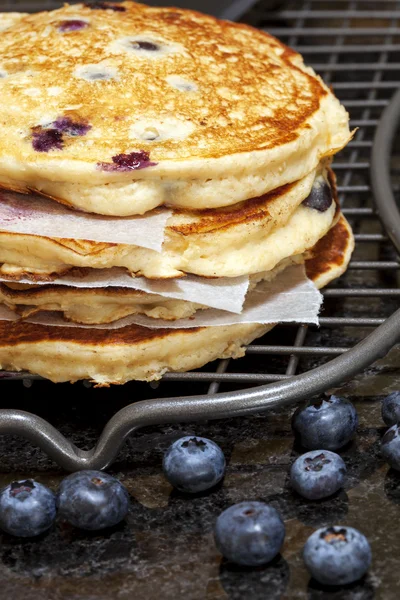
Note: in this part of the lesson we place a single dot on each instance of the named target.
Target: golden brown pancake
(120, 355)
(164, 105)
(250, 237)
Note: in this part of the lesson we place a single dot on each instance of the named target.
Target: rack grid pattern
(355, 47)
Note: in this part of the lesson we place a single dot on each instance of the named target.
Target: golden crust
(329, 258)
(219, 99)
(9, 19)
(223, 59)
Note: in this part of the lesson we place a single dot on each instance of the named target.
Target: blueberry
(391, 408)
(194, 464)
(27, 508)
(328, 423)
(391, 446)
(72, 25)
(337, 555)
(249, 533)
(44, 140)
(50, 137)
(128, 162)
(70, 127)
(92, 500)
(142, 45)
(320, 197)
(317, 474)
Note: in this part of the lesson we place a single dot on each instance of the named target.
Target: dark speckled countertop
(165, 549)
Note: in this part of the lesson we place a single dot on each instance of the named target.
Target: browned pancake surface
(330, 252)
(249, 92)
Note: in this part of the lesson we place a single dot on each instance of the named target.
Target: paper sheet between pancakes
(34, 215)
(225, 293)
(290, 298)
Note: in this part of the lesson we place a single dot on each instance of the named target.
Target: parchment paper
(226, 293)
(290, 297)
(34, 215)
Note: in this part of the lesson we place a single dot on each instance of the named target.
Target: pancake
(249, 238)
(94, 306)
(117, 110)
(9, 19)
(134, 352)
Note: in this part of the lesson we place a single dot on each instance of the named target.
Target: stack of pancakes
(122, 109)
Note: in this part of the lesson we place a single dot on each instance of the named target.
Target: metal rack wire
(356, 49)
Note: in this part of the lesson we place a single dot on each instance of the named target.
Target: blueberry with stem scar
(27, 508)
(317, 474)
(92, 500)
(194, 464)
(249, 533)
(337, 555)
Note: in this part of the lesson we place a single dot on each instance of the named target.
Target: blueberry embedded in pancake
(70, 127)
(143, 45)
(50, 137)
(128, 162)
(44, 140)
(72, 25)
(321, 196)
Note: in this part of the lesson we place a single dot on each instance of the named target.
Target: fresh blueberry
(27, 508)
(391, 408)
(249, 533)
(320, 197)
(337, 555)
(391, 446)
(194, 464)
(328, 424)
(317, 474)
(92, 500)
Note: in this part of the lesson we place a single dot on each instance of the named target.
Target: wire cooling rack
(356, 49)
